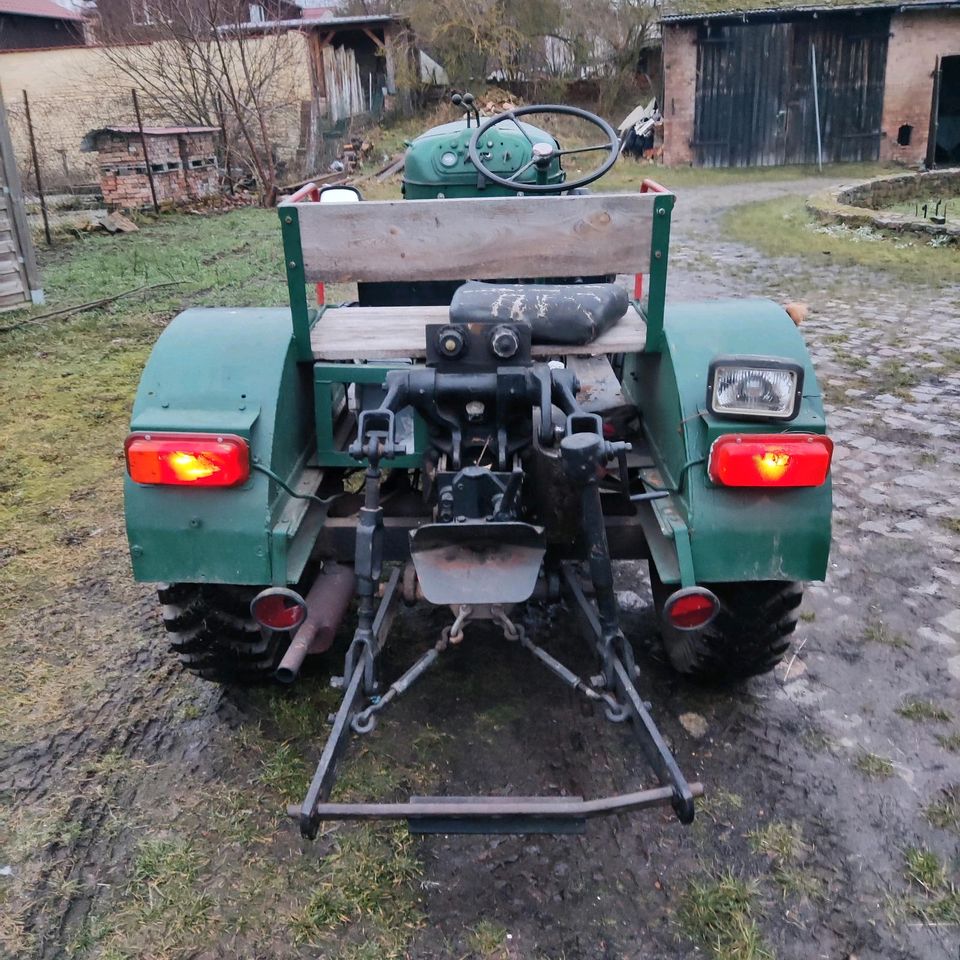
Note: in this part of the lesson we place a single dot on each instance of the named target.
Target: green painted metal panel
(735, 534)
(302, 316)
(425, 176)
(657, 278)
(330, 376)
(232, 371)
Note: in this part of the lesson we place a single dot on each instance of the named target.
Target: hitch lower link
(584, 453)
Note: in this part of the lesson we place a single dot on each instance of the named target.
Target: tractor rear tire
(749, 636)
(216, 638)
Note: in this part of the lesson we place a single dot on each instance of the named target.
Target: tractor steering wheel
(544, 153)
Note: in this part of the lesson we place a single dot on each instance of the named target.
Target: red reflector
(770, 460)
(187, 459)
(691, 608)
(279, 609)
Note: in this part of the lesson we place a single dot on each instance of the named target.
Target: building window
(903, 135)
(257, 13)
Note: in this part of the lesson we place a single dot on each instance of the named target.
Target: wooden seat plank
(492, 238)
(392, 333)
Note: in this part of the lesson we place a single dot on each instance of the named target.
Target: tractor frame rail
(361, 705)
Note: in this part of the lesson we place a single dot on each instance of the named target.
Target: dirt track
(133, 749)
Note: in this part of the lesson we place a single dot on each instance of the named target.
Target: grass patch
(952, 524)
(876, 631)
(949, 741)
(784, 228)
(782, 843)
(940, 899)
(778, 840)
(874, 766)
(488, 940)
(894, 378)
(719, 804)
(923, 711)
(720, 914)
(367, 880)
(944, 812)
(284, 771)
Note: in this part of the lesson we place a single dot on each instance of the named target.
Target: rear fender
(706, 533)
(231, 371)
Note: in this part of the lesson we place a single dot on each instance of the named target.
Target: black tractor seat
(563, 313)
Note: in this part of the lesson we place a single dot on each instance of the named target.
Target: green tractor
(496, 417)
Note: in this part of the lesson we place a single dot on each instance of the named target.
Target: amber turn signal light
(770, 460)
(187, 459)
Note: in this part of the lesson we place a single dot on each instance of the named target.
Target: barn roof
(673, 11)
(38, 8)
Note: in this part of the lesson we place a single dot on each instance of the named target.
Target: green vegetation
(876, 632)
(780, 841)
(874, 766)
(940, 899)
(951, 523)
(488, 940)
(367, 879)
(945, 811)
(949, 741)
(914, 208)
(784, 228)
(719, 912)
(922, 711)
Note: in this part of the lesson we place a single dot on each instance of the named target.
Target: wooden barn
(759, 83)
(38, 24)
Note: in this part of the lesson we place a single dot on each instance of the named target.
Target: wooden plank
(495, 238)
(390, 333)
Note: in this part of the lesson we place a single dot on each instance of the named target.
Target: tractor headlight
(765, 388)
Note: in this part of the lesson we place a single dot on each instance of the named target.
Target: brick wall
(184, 168)
(917, 38)
(679, 92)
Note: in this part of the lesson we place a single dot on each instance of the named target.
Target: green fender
(226, 371)
(706, 533)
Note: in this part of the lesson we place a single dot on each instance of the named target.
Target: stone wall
(862, 204)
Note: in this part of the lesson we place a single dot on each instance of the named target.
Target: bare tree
(204, 67)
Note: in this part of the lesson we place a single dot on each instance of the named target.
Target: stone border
(859, 205)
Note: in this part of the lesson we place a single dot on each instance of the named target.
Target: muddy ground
(141, 805)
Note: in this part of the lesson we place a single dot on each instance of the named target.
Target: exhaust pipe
(327, 603)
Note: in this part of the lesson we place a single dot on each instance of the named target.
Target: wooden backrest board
(493, 238)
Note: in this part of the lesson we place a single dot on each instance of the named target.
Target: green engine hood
(437, 162)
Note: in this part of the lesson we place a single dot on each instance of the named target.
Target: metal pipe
(146, 158)
(36, 170)
(816, 105)
(327, 603)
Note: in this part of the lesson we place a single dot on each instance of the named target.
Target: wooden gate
(755, 103)
(19, 278)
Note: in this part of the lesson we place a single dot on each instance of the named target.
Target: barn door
(740, 119)
(755, 91)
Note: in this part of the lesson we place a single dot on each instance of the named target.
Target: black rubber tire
(749, 636)
(215, 637)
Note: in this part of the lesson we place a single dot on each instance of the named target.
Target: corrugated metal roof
(314, 22)
(153, 131)
(38, 8)
(679, 10)
(89, 142)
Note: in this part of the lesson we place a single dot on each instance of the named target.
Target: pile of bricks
(182, 161)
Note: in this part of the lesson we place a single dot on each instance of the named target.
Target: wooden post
(36, 170)
(146, 158)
